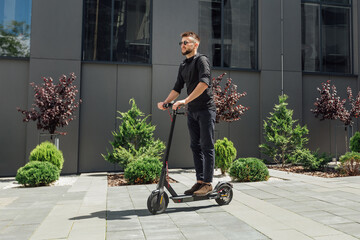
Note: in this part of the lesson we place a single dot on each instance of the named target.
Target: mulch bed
(115, 180)
(326, 173)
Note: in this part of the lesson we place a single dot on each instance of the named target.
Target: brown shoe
(193, 189)
(204, 189)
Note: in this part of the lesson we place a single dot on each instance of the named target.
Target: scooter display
(158, 200)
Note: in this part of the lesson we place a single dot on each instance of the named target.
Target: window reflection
(117, 30)
(326, 37)
(15, 21)
(310, 38)
(228, 32)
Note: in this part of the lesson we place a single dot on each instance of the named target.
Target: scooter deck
(190, 198)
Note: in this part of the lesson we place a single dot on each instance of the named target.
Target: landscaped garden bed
(118, 179)
(326, 173)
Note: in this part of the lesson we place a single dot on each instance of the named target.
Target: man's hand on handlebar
(160, 106)
(178, 104)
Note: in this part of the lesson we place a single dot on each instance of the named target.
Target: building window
(15, 22)
(326, 36)
(117, 31)
(228, 32)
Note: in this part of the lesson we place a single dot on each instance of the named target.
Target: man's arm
(200, 88)
(172, 96)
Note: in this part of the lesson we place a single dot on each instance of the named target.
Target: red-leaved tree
(54, 105)
(329, 106)
(225, 100)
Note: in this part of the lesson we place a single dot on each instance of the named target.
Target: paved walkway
(288, 206)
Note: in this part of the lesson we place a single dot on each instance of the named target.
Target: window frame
(321, 3)
(256, 69)
(112, 39)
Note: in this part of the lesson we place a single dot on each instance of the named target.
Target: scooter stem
(170, 137)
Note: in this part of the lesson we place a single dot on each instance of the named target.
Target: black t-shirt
(192, 71)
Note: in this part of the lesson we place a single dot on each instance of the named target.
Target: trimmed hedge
(47, 152)
(355, 142)
(143, 170)
(249, 170)
(225, 153)
(37, 173)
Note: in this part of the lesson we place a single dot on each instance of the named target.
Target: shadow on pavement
(126, 214)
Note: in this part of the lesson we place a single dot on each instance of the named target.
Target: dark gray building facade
(122, 49)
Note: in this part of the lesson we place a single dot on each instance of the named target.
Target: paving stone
(18, 232)
(348, 228)
(202, 232)
(164, 234)
(136, 234)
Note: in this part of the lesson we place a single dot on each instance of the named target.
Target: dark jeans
(201, 127)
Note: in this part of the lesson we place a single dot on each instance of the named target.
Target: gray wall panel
(170, 18)
(97, 116)
(270, 34)
(292, 35)
(134, 82)
(245, 133)
(13, 94)
(164, 78)
(293, 88)
(68, 144)
(56, 28)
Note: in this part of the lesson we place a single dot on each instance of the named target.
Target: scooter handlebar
(168, 105)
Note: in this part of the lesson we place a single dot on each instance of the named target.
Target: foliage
(47, 152)
(225, 100)
(56, 104)
(134, 138)
(346, 116)
(328, 105)
(143, 170)
(355, 142)
(37, 173)
(14, 39)
(305, 158)
(323, 158)
(351, 163)
(282, 138)
(225, 153)
(249, 170)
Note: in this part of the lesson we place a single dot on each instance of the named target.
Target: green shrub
(134, 139)
(305, 158)
(143, 170)
(323, 158)
(225, 153)
(351, 163)
(37, 173)
(47, 152)
(355, 142)
(249, 170)
(282, 137)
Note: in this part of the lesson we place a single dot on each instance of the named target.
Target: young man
(194, 71)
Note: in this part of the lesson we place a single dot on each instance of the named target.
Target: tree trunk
(346, 139)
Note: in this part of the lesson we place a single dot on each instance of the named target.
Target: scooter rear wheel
(151, 202)
(226, 195)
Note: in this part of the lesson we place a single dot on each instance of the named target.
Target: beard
(187, 52)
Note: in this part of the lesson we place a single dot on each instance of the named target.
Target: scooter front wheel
(225, 195)
(152, 200)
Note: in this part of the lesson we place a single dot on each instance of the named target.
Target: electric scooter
(158, 200)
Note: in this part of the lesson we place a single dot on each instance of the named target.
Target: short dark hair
(190, 34)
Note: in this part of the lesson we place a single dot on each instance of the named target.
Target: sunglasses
(184, 42)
